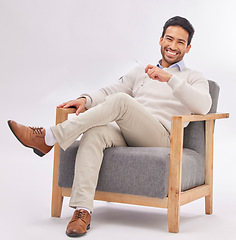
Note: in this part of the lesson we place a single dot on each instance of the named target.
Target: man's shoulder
(193, 72)
(190, 70)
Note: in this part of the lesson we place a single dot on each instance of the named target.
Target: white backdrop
(53, 50)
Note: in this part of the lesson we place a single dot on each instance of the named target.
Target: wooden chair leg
(208, 204)
(173, 216)
(57, 198)
(175, 174)
(57, 201)
(209, 165)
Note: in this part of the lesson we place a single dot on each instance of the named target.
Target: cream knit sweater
(186, 92)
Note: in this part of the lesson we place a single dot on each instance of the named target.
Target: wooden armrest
(62, 114)
(194, 118)
(177, 131)
(66, 110)
(176, 151)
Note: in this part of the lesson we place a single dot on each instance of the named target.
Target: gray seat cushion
(140, 171)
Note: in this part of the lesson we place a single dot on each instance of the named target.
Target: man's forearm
(195, 97)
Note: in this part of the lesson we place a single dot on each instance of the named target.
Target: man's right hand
(79, 104)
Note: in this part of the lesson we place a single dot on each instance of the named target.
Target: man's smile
(171, 53)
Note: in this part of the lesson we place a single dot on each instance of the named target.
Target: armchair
(158, 177)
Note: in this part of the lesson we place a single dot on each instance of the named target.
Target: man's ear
(188, 48)
(161, 40)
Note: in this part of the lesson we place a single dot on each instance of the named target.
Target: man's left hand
(156, 73)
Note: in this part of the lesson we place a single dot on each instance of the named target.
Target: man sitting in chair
(142, 103)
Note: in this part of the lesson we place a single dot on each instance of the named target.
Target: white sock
(50, 139)
(86, 209)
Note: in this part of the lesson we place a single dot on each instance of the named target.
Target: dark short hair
(182, 22)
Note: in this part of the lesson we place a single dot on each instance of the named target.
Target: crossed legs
(137, 127)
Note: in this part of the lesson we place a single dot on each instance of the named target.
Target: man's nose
(173, 45)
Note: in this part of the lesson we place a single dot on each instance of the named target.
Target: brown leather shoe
(30, 137)
(79, 224)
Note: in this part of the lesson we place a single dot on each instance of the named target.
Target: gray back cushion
(194, 133)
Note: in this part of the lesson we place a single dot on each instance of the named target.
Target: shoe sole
(36, 151)
(77, 234)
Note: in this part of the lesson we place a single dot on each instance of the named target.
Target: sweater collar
(179, 64)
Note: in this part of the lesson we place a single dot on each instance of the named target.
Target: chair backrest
(194, 133)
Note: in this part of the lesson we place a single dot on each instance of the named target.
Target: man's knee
(95, 131)
(98, 134)
(105, 136)
(120, 98)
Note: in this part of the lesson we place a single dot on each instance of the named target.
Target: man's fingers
(149, 66)
(151, 73)
(69, 104)
(78, 104)
(79, 110)
(61, 105)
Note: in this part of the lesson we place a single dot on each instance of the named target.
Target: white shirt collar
(179, 64)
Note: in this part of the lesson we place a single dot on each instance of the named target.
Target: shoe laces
(79, 214)
(37, 130)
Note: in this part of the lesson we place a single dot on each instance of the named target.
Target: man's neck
(164, 64)
(180, 64)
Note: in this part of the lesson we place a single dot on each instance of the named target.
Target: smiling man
(175, 42)
(142, 103)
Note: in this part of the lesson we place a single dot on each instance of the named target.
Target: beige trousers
(137, 127)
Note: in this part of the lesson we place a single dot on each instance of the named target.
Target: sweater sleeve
(193, 92)
(124, 84)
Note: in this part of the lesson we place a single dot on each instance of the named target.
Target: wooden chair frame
(175, 198)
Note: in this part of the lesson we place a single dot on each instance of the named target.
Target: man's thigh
(141, 129)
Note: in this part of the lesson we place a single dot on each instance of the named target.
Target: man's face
(174, 45)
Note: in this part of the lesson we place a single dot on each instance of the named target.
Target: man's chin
(171, 62)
